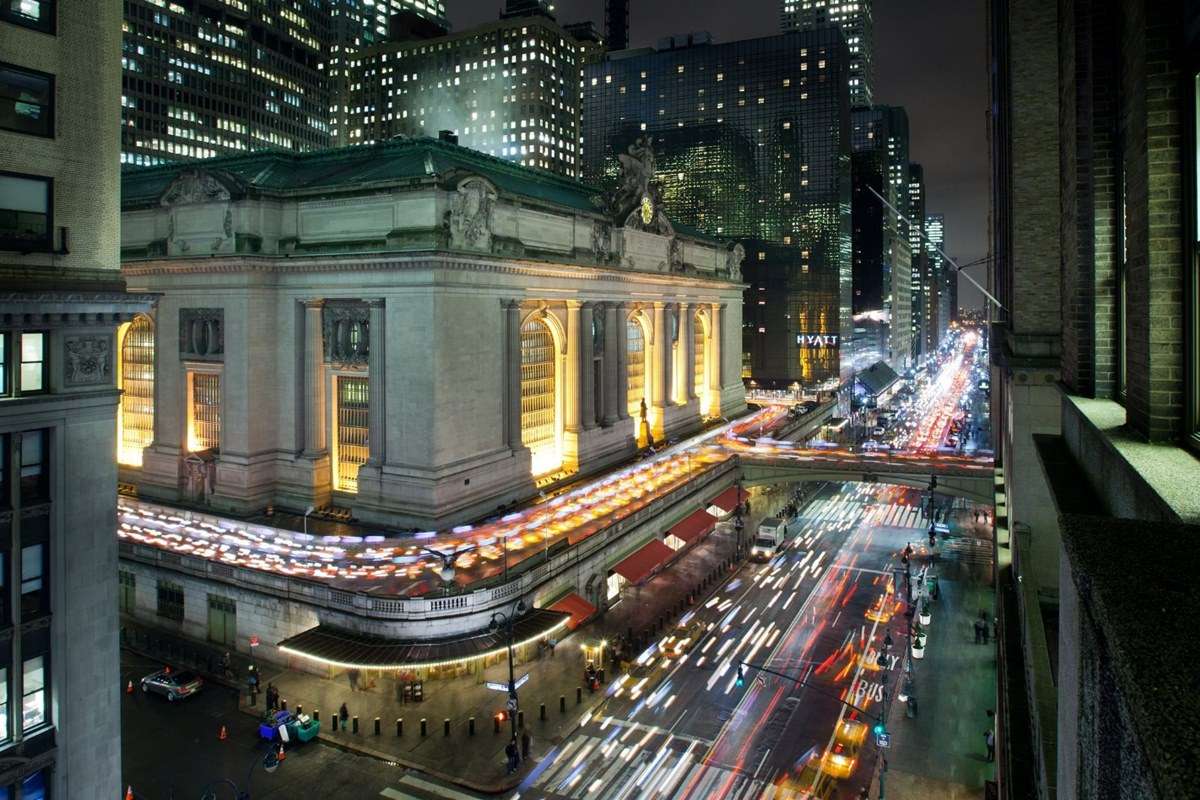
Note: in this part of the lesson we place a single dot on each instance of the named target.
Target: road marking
(434, 788)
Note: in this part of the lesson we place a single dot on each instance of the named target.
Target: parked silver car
(172, 684)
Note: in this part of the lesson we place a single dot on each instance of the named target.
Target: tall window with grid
(701, 362)
(352, 412)
(539, 423)
(204, 432)
(636, 364)
(137, 391)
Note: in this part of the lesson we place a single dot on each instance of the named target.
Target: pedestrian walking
(983, 626)
(989, 739)
(978, 631)
(226, 665)
(352, 676)
(510, 750)
(272, 697)
(344, 715)
(526, 742)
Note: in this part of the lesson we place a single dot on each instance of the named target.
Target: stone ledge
(1137, 478)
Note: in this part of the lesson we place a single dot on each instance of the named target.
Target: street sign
(883, 739)
(503, 687)
(512, 703)
(254, 641)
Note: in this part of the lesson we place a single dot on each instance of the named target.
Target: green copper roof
(344, 169)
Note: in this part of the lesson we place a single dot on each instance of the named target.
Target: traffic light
(878, 728)
(741, 677)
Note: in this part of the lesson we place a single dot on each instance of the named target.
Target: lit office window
(33, 687)
(26, 101)
(352, 414)
(137, 395)
(33, 363)
(35, 14)
(636, 367)
(204, 411)
(539, 402)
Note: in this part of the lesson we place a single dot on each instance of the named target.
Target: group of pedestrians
(517, 754)
(983, 629)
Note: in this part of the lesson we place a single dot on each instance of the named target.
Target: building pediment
(201, 185)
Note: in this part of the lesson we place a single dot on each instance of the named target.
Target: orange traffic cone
(223, 735)
(167, 669)
(129, 793)
(281, 755)
(129, 688)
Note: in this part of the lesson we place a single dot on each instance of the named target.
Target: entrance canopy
(343, 648)
(694, 526)
(645, 560)
(576, 606)
(729, 499)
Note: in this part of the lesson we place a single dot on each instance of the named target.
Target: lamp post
(307, 511)
(507, 620)
(270, 762)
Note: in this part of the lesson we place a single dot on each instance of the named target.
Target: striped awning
(342, 648)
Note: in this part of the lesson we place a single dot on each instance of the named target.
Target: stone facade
(453, 267)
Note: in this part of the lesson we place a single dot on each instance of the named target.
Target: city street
(818, 612)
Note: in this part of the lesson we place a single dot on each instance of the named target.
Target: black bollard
(496, 724)
(578, 695)
(562, 703)
(521, 718)
(542, 711)
(470, 726)
(299, 709)
(253, 697)
(424, 728)
(355, 723)
(377, 728)
(317, 714)
(445, 727)
(600, 676)
(283, 705)
(399, 726)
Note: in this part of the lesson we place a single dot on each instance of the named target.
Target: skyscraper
(941, 273)
(509, 88)
(205, 80)
(753, 143)
(62, 299)
(856, 21)
(920, 259)
(616, 24)
(523, 8)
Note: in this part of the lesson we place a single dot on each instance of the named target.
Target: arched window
(636, 361)
(539, 399)
(353, 409)
(700, 366)
(137, 398)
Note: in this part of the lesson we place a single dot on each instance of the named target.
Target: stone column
(572, 379)
(512, 374)
(587, 370)
(716, 356)
(313, 381)
(660, 365)
(688, 347)
(377, 383)
(612, 357)
(622, 359)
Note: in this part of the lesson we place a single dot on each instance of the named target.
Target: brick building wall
(1152, 131)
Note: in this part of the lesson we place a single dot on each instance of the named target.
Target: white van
(770, 536)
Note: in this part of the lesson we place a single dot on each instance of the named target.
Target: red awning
(694, 526)
(577, 607)
(644, 561)
(729, 499)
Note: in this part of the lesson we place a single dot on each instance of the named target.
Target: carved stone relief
(471, 215)
(602, 241)
(346, 333)
(194, 186)
(88, 360)
(676, 257)
(202, 333)
(733, 261)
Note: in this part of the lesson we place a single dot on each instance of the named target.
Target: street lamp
(307, 511)
(500, 618)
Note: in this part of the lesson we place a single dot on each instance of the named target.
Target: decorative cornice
(417, 263)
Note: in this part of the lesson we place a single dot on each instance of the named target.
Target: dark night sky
(929, 58)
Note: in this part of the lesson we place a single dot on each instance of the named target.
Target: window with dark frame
(34, 475)
(26, 213)
(33, 584)
(170, 601)
(26, 101)
(37, 15)
(4, 360)
(33, 692)
(31, 378)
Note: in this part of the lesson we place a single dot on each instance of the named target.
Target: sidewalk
(941, 755)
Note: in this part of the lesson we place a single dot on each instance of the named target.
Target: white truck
(769, 539)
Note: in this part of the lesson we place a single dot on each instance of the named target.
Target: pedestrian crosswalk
(415, 787)
(839, 509)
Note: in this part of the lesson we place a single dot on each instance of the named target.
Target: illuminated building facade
(569, 313)
(203, 80)
(62, 299)
(753, 144)
(857, 23)
(919, 288)
(509, 89)
(941, 274)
